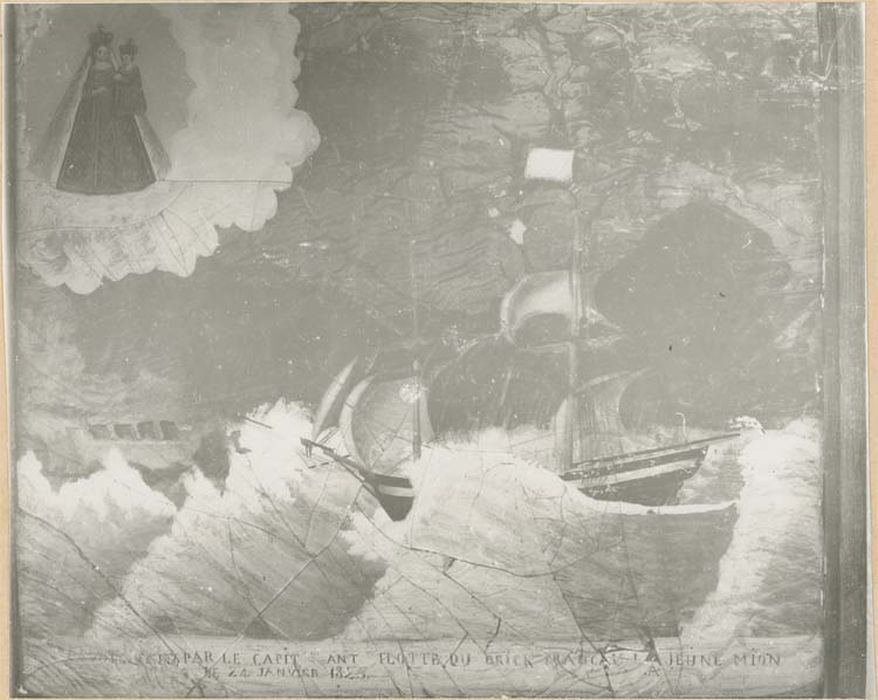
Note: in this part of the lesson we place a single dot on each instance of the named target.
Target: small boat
(155, 445)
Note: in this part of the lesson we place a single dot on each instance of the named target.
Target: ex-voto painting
(416, 350)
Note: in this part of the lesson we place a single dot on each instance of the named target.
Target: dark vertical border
(840, 28)
(13, 638)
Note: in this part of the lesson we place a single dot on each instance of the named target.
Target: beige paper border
(871, 141)
(871, 179)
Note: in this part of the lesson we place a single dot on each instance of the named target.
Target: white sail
(377, 422)
(346, 419)
(543, 293)
(602, 397)
(597, 422)
(333, 398)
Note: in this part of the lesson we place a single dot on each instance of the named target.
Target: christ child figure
(129, 88)
(134, 169)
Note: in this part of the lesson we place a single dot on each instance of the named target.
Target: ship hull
(76, 451)
(395, 493)
(648, 480)
(379, 420)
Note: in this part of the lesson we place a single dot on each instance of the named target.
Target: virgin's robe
(99, 141)
(89, 161)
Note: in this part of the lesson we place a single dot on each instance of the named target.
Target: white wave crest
(772, 567)
(263, 556)
(495, 547)
(112, 500)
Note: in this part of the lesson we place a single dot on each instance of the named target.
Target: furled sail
(377, 421)
(545, 294)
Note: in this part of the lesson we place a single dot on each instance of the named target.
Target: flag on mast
(552, 164)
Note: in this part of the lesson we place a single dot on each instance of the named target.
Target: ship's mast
(416, 364)
(556, 166)
(582, 244)
(572, 417)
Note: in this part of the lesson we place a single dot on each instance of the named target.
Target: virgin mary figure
(99, 141)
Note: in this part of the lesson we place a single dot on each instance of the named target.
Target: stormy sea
(354, 184)
(497, 550)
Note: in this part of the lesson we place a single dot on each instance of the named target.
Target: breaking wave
(495, 547)
(75, 545)
(770, 580)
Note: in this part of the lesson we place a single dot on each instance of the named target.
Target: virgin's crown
(100, 37)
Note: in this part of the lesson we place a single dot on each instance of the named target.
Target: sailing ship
(656, 564)
(529, 392)
(537, 373)
(531, 380)
(373, 421)
(537, 389)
